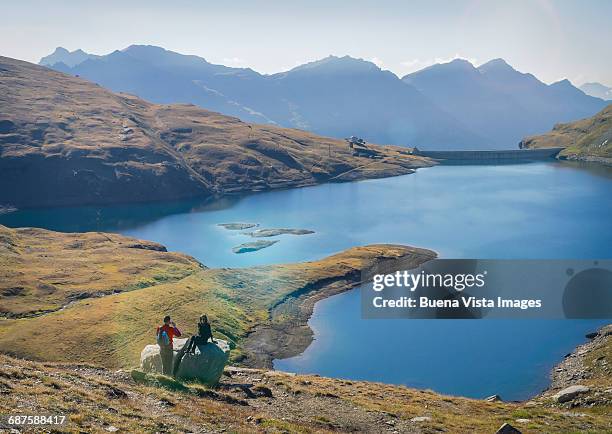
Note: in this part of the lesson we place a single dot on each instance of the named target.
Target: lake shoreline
(581, 366)
(287, 333)
(589, 159)
(292, 338)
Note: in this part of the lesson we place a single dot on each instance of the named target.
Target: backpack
(163, 340)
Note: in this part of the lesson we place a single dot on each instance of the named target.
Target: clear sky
(553, 39)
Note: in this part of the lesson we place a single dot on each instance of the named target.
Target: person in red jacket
(165, 339)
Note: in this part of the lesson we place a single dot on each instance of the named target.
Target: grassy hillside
(79, 346)
(587, 139)
(112, 330)
(99, 400)
(67, 141)
(42, 271)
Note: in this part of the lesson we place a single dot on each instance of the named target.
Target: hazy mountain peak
(143, 48)
(335, 64)
(461, 69)
(567, 89)
(461, 62)
(565, 83)
(595, 85)
(171, 60)
(597, 90)
(455, 65)
(153, 52)
(496, 62)
(498, 65)
(68, 58)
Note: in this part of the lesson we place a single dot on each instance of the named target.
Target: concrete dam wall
(503, 155)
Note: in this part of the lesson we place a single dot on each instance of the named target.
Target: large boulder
(569, 393)
(205, 366)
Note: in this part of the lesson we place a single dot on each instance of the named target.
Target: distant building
(356, 141)
(360, 149)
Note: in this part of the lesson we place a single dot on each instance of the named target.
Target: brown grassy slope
(112, 330)
(42, 270)
(585, 139)
(64, 140)
(94, 400)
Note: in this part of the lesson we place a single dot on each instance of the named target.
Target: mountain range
(68, 58)
(447, 106)
(501, 103)
(67, 141)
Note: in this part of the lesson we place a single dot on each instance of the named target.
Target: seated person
(204, 334)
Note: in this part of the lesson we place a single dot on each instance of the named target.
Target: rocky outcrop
(237, 226)
(570, 393)
(253, 247)
(264, 233)
(602, 333)
(205, 365)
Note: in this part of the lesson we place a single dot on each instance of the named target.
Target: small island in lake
(253, 247)
(264, 233)
(238, 226)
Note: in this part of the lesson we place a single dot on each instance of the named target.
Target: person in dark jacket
(204, 334)
(165, 339)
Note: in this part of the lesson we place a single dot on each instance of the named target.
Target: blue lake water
(538, 210)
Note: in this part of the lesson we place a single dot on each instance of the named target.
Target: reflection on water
(113, 218)
(592, 168)
(538, 210)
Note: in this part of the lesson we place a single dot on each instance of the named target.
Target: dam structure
(493, 156)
